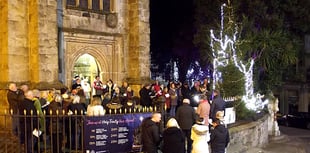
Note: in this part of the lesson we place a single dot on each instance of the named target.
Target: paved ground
(292, 140)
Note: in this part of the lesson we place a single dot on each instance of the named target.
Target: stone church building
(45, 43)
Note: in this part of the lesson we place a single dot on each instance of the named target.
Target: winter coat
(186, 92)
(150, 136)
(200, 136)
(186, 116)
(14, 98)
(219, 139)
(56, 120)
(145, 99)
(173, 136)
(27, 122)
(95, 110)
(204, 110)
(173, 97)
(218, 104)
(77, 110)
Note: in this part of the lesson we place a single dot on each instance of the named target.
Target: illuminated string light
(221, 58)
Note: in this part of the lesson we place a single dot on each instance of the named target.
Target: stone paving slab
(288, 145)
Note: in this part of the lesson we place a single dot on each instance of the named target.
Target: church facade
(42, 42)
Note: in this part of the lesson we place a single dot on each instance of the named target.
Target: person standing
(218, 104)
(157, 89)
(186, 117)
(56, 126)
(203, 109)
(145, 96)
(77, 84)
(124, 87)
(98, 87)
(87, 89)
(76, 110)
(186, 91)
(206, 84)
(28, 121)
(37, 105)
(200, 136)
(173, 135)
(219, 137)
(167, 99)
(95, 108)
(14, 97)
(151, 133)
(110, 89)
(173, 98)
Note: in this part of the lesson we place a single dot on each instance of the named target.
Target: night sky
(171, 24)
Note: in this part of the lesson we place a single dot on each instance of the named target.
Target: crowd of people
(177, 100)
(196, 138)
(195, 119)
(57, 114)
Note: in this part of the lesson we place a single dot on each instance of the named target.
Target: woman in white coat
(95, 108)
(200, 136)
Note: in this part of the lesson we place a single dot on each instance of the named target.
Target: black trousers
(187, 134)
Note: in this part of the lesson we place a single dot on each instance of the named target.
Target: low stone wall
(253, 134)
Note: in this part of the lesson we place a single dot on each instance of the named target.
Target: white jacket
(95, 110)
(200, 136)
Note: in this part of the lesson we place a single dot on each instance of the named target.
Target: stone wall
(47, 39)
(30, 36)
(253, 134)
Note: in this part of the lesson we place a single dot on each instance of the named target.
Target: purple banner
(111, 133)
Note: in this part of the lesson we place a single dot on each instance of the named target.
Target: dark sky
(168, 20)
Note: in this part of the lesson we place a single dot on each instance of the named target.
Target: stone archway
(86, 67)
(74, 55)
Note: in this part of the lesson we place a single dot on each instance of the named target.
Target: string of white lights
(221, 59)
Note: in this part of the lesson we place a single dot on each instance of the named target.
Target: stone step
(278, 139)
(237, 148)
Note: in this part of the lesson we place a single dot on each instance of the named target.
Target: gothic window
(99, 6)
(83, 4)
(96, 5)
(71, 2)
(106, 5)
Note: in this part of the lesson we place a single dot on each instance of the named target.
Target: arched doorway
(86, 67)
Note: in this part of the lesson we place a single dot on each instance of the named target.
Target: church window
(97, 6)
(106, 5)
(71, 2)
(83, 4)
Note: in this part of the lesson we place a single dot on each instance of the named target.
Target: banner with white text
(111, 133)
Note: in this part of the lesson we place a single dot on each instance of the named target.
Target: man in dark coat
(76, 110)
(56, 126)
(219, 138)
(14, 97)
(186, 117)
(145, 96)
(28, 122)
(151, 133)
(218, 104)
(186, 91)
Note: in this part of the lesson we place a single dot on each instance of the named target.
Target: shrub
(242, 112)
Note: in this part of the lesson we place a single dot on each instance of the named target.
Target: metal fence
(48, 133)
(57, 133)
